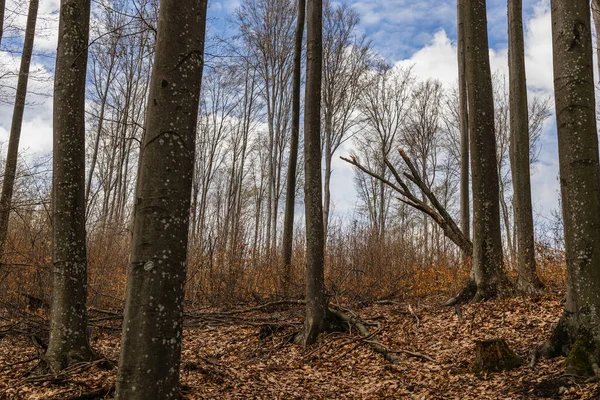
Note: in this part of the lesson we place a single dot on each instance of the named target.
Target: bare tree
(152, 327)
(487, 277)
(422, 140)
(345, 62)
(68, 342)
(578, 331)
(267, 29)
(317, 312)
(290, 200)
(465, 205)
(528, 280)
(10, 170)
(384, 106)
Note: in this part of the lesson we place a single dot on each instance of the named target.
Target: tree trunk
(12, 156)
(2, 11)
(596, 16)
(486, 273)
(578, 331)
(465, 207)
(152, 328)
(290, 198)
(528, 280)
(68, 343)
(316, 298)
(327, 182)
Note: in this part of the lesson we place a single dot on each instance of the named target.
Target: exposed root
(498, 286)
(389, 354)
(573, 339)
(464, 296)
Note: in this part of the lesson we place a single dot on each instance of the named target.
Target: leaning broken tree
(427, 202)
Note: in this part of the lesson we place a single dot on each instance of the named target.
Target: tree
(384, 106)
(421, 140)
(290, 199)
(316, 299)
(487, 278)
(527, 281)
(345, 62)
(2, 11)
(578, 331)
(267, 30)
(68, 342)
(10, 170)
(152, 327)
(465, 205)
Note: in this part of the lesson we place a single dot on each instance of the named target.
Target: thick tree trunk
(12, 156)
(528, 280)
(578, 331)
(316, 298)
(465, 205)
(290, 199)
(68, 342)
(487, 273)
(152, 328)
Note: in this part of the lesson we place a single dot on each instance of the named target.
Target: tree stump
(494, 355)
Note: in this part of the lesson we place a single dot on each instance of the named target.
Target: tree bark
(465, 205)
(596, 16)
(68, 342)
(528, 280)
(316, 298)
(12, 155)
(578, 331)
(290, 199)
(486, 273)
(152, 328)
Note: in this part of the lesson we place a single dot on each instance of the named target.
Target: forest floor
(246, 355)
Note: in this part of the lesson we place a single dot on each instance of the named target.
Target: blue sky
(417, 32)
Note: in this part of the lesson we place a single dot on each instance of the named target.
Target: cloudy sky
(417, 32)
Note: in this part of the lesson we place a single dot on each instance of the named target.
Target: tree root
(573, 338)
(389, 354)
(498, 287)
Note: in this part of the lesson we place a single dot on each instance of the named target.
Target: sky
(406, 32)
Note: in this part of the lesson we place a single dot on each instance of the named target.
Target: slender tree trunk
(506, 219)
(527, 280)
(152, 327)
(68, 342)
(316, 299)
(465, 206)
(12, 156)
(103, 100)
(578, 331)
(487, 273)
(2, 11)
(290, 198)
(327, 185)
